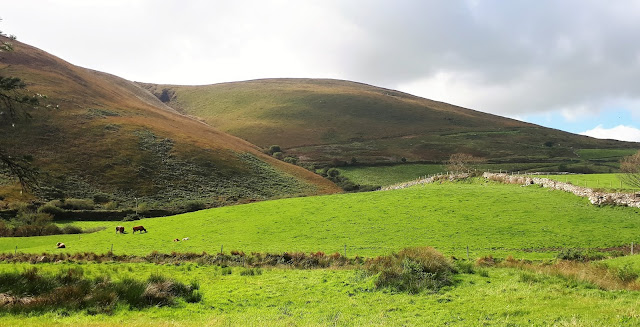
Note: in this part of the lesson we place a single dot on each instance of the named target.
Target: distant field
(606, 181)
(387, 175)
(491, 219)
(590, 154)
(285, 297)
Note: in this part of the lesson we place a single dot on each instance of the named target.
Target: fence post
(467, 253)
(221, 247)
(111, 248)
(16, 250)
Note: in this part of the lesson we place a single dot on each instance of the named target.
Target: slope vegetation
(322, 120)
(111, 136)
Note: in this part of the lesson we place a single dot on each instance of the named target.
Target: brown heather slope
(111, 136)
(322, 120)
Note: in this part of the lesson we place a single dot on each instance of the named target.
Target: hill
(321, 120)
(489, 218)
(109, 136)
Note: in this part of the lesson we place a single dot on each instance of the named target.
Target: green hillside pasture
(285, 297)
(389, 175)
(490, 218)
(609, 182)
(605, 154)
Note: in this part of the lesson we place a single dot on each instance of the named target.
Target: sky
(573, 65)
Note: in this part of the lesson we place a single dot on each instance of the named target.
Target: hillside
(326, 120)
(111, 136)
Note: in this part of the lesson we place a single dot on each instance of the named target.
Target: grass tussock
(597, 274)
(412, 270)
(32, 291)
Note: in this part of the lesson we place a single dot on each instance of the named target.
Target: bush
(131, 217)
(412, 270)
(71, 229)
(77, 204)
(278, 155)
(291, 160)
(194, 205)
(51, 209)
(111, 205)
(273, 149)
(101, 198)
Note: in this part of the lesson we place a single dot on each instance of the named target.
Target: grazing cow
(120, 229)
(139, 229)
(176, 240)
(185, 239)
(60, 245)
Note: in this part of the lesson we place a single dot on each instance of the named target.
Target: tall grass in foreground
(31, 291)
(597, 274)
(412, 270)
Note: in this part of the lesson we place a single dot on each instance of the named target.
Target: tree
(14, 98)
(630, 169)
(462, 162)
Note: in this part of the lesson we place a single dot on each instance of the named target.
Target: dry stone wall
(426, 180)
(595, 197)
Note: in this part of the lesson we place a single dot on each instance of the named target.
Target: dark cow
(139, 229)
(120, 229)
(60, 245)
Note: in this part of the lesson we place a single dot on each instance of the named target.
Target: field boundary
(595, 197)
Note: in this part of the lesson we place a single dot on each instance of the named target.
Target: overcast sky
(571, 65)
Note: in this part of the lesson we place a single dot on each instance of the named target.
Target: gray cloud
(507, 57)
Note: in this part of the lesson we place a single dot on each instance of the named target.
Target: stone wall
(426, 180)
(595, 197)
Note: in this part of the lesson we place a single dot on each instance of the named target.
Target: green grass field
(284, 297)
(489, 218)
(610, 182)
(387, 175)
(392, 174)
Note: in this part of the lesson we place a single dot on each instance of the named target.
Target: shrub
(111, 205)
(291, 160)
(77, 204)
(101, 198)
(51, 209)
(71, 229)
(278, 155)
(273, 149)
(412, 270)
(194, 205)
(131, 217)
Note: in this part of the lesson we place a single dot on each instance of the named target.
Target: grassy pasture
(489, 218)
(284, 297)
(605, 181)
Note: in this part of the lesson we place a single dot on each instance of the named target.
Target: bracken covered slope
(321, 120)
(111, 136)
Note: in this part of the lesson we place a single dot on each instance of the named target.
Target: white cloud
(620, 132)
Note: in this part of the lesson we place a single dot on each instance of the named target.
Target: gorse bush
(31, 291)
(412, 270)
